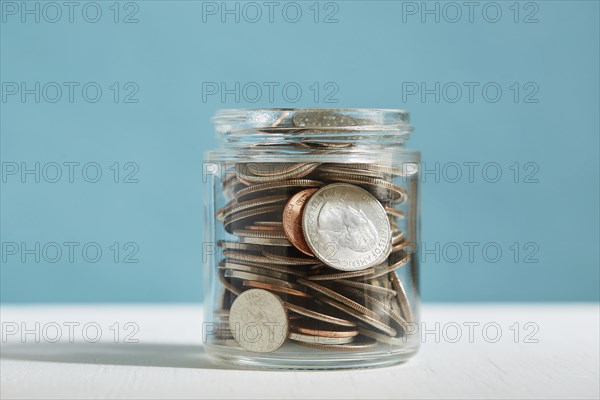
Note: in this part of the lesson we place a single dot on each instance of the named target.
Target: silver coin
(228, 285)
(355, 346)
(341, 169)
(341, 275)
(281, 259)
(300, 337)
(258, 321)
(381, 337)
(273, 267)
(383, 190)
(247, 276)
(265, 241)
(322, 119)
(270, 169)
(254, 258)
(374, 322)
(251, 248)
(402, 297)
(262, 189)
(319, 315)
(388, 310)
(299, 171)
(247, 215)
(255, 270)
(235, 207)
(395, 263)
(346, 227)
(367, 287)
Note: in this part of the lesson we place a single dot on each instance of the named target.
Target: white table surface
(168, 361)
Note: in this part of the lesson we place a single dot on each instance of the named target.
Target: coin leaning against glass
(346, 227)
(292, 220)
(258, 321)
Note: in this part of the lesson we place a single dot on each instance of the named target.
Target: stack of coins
(313, 251)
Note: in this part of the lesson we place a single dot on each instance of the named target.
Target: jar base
(234, 356)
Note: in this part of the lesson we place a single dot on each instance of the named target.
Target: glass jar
(311, 218)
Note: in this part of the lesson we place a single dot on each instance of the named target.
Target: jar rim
(239, 120)
(368, 109)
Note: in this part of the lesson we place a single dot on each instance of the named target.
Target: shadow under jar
(311, 221)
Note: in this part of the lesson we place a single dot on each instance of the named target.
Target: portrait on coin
(347, 226)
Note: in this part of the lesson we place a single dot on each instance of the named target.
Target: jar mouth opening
(294, 120)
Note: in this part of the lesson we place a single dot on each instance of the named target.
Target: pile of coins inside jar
(314, 252)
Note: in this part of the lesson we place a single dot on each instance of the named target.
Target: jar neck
(312, 129)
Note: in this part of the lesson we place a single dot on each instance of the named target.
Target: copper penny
(292, 220)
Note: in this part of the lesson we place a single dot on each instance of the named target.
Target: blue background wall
(376, 55)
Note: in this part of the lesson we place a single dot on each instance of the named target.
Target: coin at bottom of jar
(374, 322)
(319, 315)
(364, 344)
(383, 338)
(258, 321)
(388, 310)
(323, 290)
(304, 338)
(315, 330)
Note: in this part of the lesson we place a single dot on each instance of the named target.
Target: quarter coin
(346, 227)
(258, 321)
